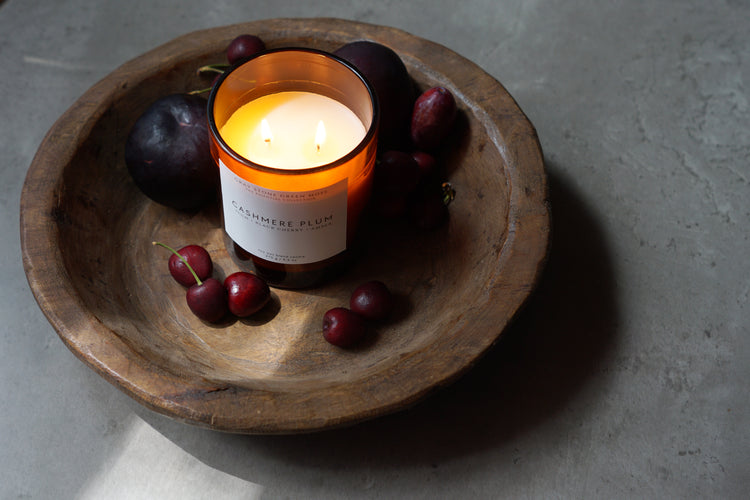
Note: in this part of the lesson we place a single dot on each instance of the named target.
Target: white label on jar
(288, 227)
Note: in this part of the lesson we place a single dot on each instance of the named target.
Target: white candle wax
(293, 130)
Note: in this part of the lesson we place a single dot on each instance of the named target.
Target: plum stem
(183, 259)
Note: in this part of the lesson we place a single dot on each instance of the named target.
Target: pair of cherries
(346, 327)
(241, 294)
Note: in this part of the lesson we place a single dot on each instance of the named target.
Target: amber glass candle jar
(294, 135)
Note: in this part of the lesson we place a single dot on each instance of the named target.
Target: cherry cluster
(404, 181)
(242, 294)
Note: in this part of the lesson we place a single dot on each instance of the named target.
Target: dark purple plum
(168, 155)
(392, 84)
(372, 300)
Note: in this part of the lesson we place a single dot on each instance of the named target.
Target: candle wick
(266, 131)
(320, 135)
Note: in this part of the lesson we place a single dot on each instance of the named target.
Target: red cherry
(208, 300)
(244, 47)
(247, 293)
(198, 258)
(372, 300)
(342, 327)
(396, 174)
(426, 162)
(432, 118)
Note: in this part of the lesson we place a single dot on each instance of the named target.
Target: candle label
(288, 227)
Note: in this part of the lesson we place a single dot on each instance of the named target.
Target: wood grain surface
(86, 234)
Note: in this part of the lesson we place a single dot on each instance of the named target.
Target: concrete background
(627, 375)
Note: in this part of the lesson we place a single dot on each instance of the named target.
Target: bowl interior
(456, 287)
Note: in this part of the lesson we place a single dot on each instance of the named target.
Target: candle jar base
(290, 276)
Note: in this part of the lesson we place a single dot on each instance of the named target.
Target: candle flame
(265, 131)
(320, 135)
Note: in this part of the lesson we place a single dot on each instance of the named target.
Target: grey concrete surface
(625, 377)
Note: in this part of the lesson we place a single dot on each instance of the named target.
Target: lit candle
(294, 133)
(287, 130)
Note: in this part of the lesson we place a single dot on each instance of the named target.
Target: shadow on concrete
(559, 342)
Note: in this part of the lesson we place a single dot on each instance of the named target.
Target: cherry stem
(184, 261)
(200, 91)
(213, 68)
(449, 194)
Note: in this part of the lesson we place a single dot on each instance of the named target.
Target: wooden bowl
(86, 234)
